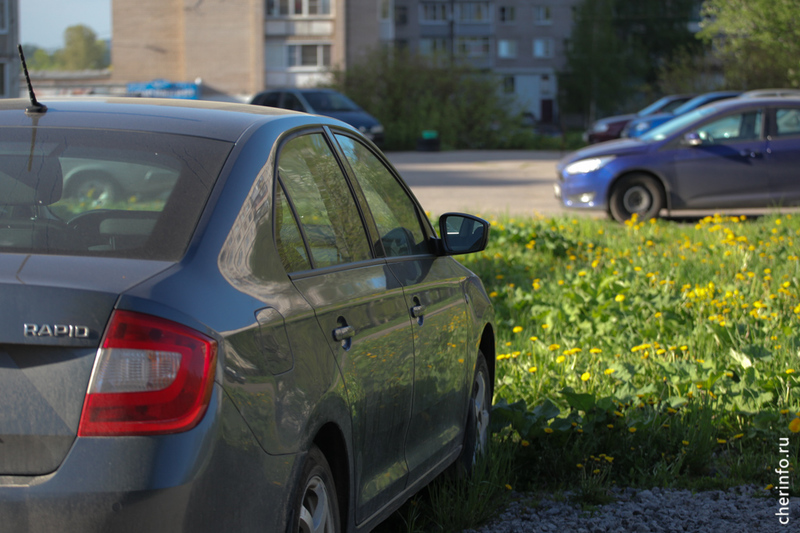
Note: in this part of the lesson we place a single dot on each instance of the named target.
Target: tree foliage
(618, 48)
(82, 51)
(757, 41)
(409, 94)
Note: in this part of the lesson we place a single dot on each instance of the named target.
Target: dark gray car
(276, 341)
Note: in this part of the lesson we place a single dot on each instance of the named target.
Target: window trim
(298, 67)
(298, 16)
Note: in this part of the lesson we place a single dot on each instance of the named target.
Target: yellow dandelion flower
(493, 294)
(534, 339)
(596, 471)
(579, 465)
(585, 376)
(686, 443)
(554, 347)
(548, 430)
(794, 425)
(671, 410)
(790, 371)
(560, 359)
(545, 326)
(609, 371)
(738, 436)
(595, 350)
(721, 441)
(532, 369)
(509, 487)
(609, 459)
(525, 443)
(517, 329)
(619, 298)
(632, 430)
(769, 487)
(610, 426)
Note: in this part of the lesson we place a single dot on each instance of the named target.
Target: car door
(783, 154)
(360, 307)
(728, 167)
(434, 295)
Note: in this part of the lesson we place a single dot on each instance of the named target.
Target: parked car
(771, 92)
(609, 128)
(640, 126)
(278, 341)
(739, 152)
(325, 102)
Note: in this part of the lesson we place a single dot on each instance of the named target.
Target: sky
(42, 22)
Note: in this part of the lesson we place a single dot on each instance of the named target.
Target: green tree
(757, 41)
(82, 50)
(595, 77)
(409, 93)
(617, 49)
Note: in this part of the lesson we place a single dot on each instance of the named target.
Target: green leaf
(580, 401)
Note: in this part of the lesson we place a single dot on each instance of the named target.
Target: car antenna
(35, 106)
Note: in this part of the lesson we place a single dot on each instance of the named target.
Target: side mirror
(692, 139)
(462, 234)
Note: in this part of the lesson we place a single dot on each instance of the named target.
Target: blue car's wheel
(637, 194)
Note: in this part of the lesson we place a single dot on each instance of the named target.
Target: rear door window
(323, 202)
(110, 193)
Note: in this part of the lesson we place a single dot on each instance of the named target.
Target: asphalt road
(502, 182)
(513, 182)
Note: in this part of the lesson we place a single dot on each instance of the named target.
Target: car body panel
(606, 129)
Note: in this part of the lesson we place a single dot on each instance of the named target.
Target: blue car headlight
(588, 165)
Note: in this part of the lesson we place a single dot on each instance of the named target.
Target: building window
(429, 47)
(506, 14)
(434, 12)
(4, 21)
(506, 48)
(473, 46)
(308, 55)
(542, 15)
(401, 15)
(297, 8)
(508, 84)
(543, 48)
(474, 12)
(385, 9)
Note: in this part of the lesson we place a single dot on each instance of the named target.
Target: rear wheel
(316, 508)
(637, 194)
(476, 439)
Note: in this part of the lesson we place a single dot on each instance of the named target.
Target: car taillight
(152, 376)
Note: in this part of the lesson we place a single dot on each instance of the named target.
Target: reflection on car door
(728, 168)
(360, 308)
(784, 155)
(435, 295)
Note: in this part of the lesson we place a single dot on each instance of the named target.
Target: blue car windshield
(657, 106)
(323, 101)
(668, 129)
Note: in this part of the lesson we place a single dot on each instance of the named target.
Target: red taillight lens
(151, 376)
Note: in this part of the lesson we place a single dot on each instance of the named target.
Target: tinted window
(329, 101)
(287, 235)
(291, 101)
(111, 193)
(323, 201)
(393, 210)
(269, 99)
(787, 122)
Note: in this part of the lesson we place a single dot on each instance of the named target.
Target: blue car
(640, 126)
(326, 102)
(733, 153)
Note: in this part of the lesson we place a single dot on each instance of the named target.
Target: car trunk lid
(52, 319)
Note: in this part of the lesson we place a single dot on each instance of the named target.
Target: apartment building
(9, 55)
(243, 46)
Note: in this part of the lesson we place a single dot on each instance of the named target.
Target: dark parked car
(277, 341)
(609, 128)
(323, 102)
(640, 126)
(740, 152)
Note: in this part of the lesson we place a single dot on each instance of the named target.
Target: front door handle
(343, 333)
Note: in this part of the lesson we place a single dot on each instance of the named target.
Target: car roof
(755, 101)
(214, 120)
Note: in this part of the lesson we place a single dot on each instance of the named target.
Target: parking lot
(513, 182)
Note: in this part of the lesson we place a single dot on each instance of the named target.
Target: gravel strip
(741, 509)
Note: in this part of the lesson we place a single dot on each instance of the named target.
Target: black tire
(476, 437)
(636, 193)
(316, 507)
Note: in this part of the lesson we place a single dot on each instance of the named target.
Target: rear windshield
(103, 193)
